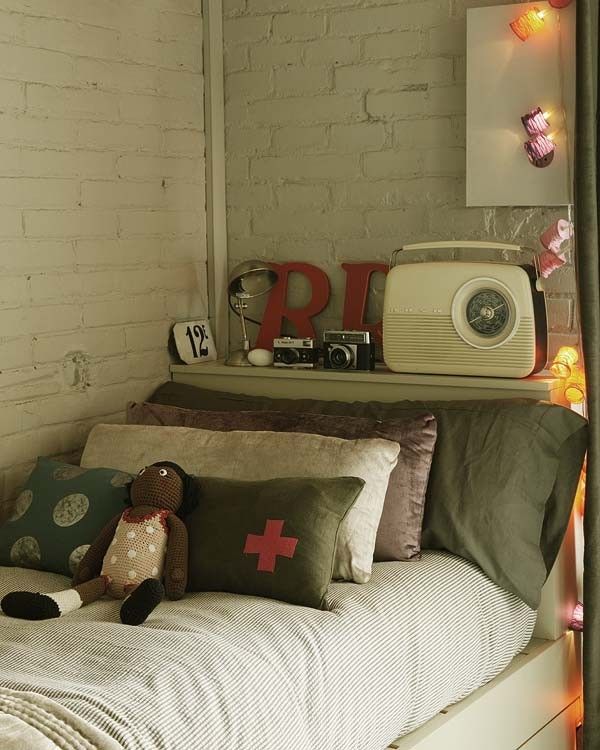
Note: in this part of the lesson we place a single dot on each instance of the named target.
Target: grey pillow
(399, 533)
(502, 481)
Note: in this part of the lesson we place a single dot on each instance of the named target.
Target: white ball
(260, 357)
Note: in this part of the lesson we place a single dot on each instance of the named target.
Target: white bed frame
(535, 704)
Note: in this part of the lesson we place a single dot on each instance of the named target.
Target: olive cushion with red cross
(273, 538)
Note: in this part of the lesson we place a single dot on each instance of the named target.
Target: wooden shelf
(381, 384)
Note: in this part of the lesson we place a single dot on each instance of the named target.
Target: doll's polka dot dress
(137, 552)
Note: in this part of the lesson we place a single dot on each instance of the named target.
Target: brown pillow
(399, 534)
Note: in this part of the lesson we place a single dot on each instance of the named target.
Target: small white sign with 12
(194, 342)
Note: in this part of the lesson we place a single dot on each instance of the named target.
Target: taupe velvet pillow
(399, 533)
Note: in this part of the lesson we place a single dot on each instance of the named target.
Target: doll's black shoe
(147, 596)
(26, 605)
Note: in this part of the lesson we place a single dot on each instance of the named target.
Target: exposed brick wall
(346, 138)
(102, 219)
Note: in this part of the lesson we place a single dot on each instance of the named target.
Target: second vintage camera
(294, 352)
(348, 350)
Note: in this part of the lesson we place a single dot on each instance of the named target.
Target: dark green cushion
(59, 513)
(274, 538)
(502, 481)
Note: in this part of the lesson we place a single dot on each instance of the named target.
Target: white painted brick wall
(346, 138)
(102, 218)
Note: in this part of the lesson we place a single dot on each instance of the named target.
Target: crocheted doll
(131, 555)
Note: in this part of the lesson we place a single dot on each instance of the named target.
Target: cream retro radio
(464, 318)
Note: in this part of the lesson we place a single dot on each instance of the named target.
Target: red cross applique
(270, 545)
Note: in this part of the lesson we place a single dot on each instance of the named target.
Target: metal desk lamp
(250, 279)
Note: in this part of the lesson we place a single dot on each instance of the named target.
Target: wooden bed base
(535, 704)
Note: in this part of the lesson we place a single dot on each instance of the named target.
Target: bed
(535, 704)
(428, 655)
(220, 670)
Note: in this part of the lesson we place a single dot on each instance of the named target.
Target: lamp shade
(529, 23)
(535, 122)
(575, 386)
(540, 150)
(250, 279)
(556, 234)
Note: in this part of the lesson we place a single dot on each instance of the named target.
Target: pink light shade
(577, 618)
(556, 234)
(540, 150)
(560, 3)
(534, 122)
(549, 262)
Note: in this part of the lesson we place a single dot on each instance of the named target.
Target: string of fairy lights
(540, 148)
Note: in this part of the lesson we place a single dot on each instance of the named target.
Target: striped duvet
(217, 671)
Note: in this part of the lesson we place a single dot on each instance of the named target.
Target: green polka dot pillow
(59, 513)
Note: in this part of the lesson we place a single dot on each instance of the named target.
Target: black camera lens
(290, 356)
(340, 357)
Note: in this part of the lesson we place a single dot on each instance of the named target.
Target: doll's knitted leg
(27, 605)
(146, 597)
(91, 591)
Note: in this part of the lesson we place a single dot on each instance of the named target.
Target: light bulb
(566, 357)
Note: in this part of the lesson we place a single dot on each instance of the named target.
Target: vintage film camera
(348, 350)
(294, 352)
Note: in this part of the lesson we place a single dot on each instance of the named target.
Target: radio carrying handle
(470, 245)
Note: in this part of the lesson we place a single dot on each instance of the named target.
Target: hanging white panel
(506, 78)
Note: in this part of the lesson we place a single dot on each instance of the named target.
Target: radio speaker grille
(415, 343)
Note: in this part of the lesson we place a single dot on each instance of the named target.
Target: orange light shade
(529, 23)
(575, 386)
(566, 357)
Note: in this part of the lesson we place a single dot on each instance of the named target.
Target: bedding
(265, 455)
(29, 721)
(502, 481)
(399, 533)
(218, 670)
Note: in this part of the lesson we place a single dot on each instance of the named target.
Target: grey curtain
(588, 276)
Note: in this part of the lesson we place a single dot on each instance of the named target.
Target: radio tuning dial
(488, 312)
